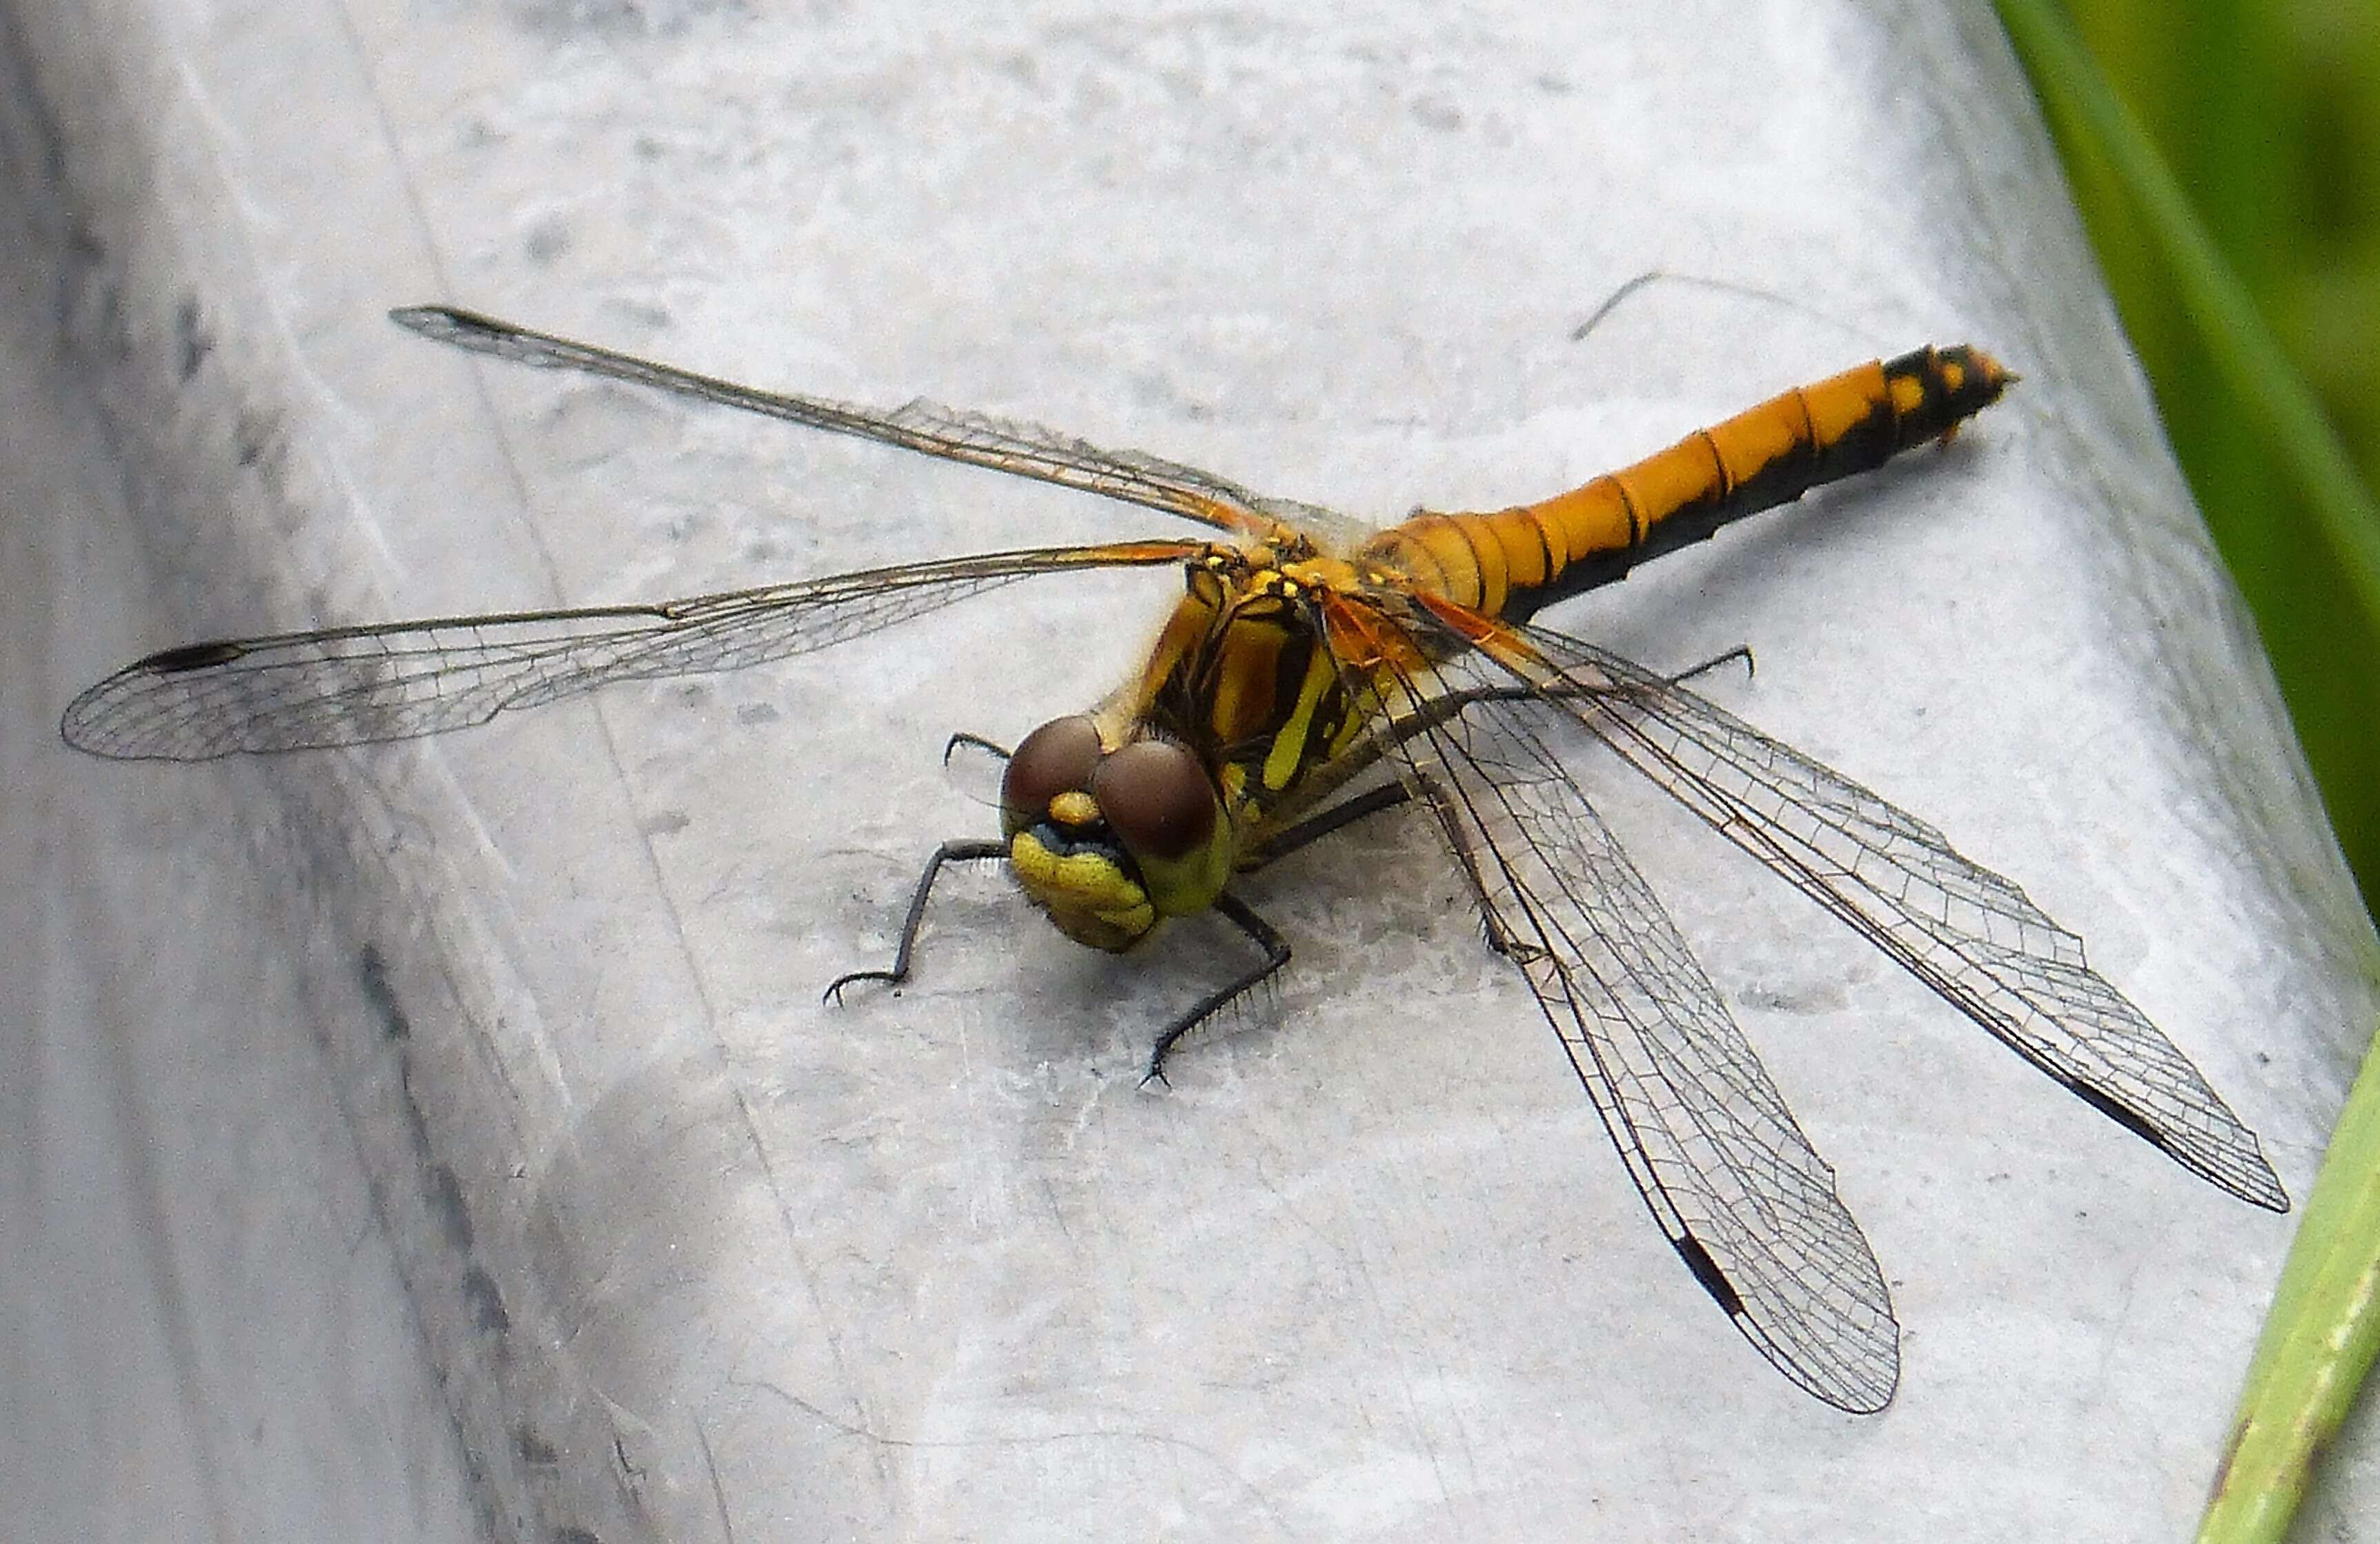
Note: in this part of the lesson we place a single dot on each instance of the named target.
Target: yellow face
(1108, 840)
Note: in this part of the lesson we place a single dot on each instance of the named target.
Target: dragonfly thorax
(1109, 839)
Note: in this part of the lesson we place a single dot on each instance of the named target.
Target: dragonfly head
(1107, 840)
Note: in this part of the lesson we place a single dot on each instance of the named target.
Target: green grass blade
(2318, 1341)
(2259, 376)
(2324, 1330)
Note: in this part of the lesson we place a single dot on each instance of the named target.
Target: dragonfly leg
(1276, 950)
(1441, 807)
(1312, 829)
(1451, 705)
(1390, 795)
(1652, 277)
(976, 851)
(1740, 652)
(1439, 710)
(994, 746)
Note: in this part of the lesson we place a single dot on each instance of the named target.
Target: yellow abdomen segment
(1510, 563)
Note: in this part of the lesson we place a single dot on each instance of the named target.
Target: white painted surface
(689, 1254)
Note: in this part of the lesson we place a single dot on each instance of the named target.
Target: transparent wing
(1705, 1134)
(952, 434)
(1971, 935)
(347, 686)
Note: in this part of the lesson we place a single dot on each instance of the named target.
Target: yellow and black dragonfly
(1315, 672)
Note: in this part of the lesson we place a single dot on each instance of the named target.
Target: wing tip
(1859, 1399)
(2230, 1158)
(2260, 1185)
(84, 725)
(1859, 1384)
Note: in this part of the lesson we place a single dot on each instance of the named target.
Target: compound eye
(1055, 758)
(1157, 798)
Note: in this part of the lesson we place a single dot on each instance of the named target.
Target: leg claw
(834, 989)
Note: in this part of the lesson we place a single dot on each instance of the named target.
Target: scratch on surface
(1087, 1109)
(482, 838)
(718, 1487)
(1362, 1272)
(1057, 1209)
(2109, 1344)
(1164, 1440)
(792, 1233)
(968, 1083)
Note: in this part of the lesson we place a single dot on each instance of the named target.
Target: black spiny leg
(1312, 829)
(1276, 950)
(978, 851)
(1389, 795)
(1370, 802)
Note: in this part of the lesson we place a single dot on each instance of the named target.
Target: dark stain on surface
(446, 1202)
(192, 342)
(371, 973)
(486, 1301)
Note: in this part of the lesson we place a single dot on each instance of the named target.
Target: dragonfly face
(1302, 652)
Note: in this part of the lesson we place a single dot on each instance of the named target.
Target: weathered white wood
(525, 1021)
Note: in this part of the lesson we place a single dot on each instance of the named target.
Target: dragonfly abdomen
(1512, 562)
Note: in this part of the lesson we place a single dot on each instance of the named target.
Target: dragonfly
(1315, 672)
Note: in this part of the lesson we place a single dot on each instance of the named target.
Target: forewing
(952, 434)
(349, 685)
(1965, 932)
(1704, 1133)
